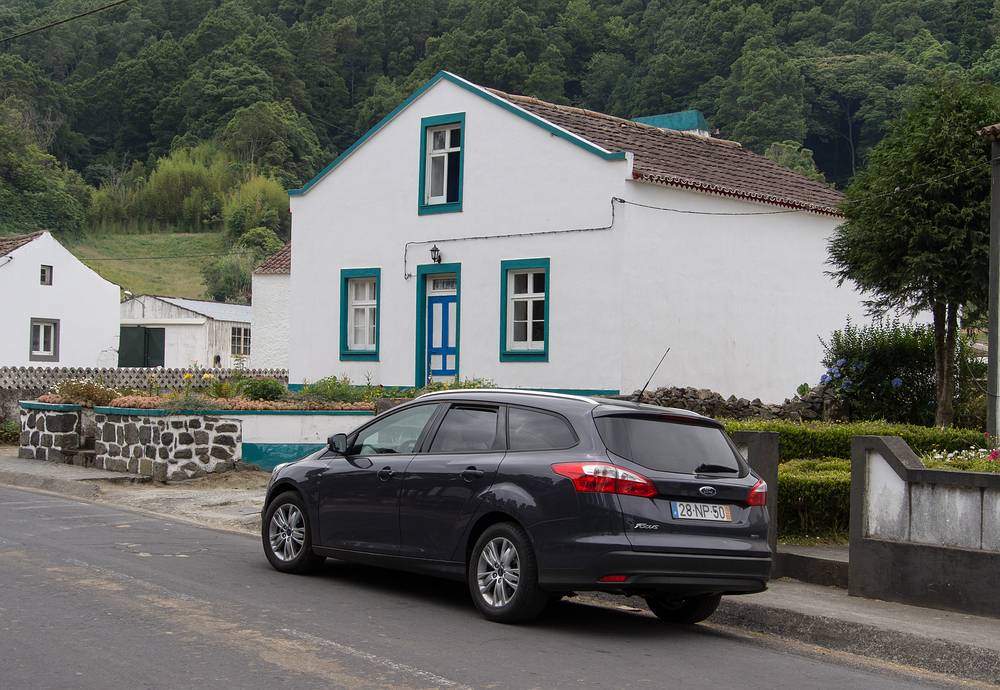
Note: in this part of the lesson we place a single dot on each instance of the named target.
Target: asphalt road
(94, 597)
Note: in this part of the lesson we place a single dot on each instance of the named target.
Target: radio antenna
(638, 396)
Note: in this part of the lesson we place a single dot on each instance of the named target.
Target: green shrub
(263, 389)
(333, 389)
(814, 497)
(826, 439)
(886, 371)
(10, 433)
(258, 202)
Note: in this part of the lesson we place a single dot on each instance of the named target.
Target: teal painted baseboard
(267, 455)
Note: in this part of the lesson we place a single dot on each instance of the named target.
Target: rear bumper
(680, 573)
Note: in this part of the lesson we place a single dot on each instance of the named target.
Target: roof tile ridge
(514, 98)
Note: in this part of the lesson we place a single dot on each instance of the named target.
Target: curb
(929, 654)
(76, 488)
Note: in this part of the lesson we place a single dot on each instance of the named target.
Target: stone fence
(27, 383)
(164, 445)
(922, 536)
(51, 432)
(818, 403)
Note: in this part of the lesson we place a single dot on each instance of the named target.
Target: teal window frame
(346, 353)
(508, 355)
(423, 208)
(420, 364)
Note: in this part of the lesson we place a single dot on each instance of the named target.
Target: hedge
(827, 439)
(814, 497)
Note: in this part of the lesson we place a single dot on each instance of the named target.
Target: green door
(141, 347)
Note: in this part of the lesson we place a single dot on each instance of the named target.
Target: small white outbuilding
(557, 248)
(55, 311)
(174, 332)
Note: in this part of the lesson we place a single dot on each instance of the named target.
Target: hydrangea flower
(835, 372)
(896, 382)
(845, 384)
(841, 362)
(825, 379)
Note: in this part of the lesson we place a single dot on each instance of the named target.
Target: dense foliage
(283, 85)
(917, 230)
(886, 371)
(814, 497)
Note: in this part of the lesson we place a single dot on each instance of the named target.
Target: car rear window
(670, 446)
(531, 430)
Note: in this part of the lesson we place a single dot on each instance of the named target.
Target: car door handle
(385, 474)
(471, 473)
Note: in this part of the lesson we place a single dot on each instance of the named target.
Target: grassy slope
(178, 277)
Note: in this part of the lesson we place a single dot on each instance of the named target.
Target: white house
(271, 288)
(172, 332)
(556, 248)
(55, 310)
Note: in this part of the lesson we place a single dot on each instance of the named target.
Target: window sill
(431, 209)
(524, 356)
(352, 356)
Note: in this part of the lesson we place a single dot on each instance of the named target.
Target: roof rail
(517, 391)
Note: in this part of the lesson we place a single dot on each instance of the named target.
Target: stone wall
(51, 434)
(816, 404)
(168, 447)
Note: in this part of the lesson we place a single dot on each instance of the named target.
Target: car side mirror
(338, 444)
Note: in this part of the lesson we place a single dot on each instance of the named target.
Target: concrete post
(762, 454)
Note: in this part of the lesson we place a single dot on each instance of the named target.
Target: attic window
(46, 275)
(441, 162)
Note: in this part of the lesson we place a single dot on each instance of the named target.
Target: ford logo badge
(707, 491)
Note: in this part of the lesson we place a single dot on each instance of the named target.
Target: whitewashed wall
(516, 181)
(271, 321)
(85, 304)
(740, 300)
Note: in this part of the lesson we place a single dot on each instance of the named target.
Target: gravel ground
(229, 501)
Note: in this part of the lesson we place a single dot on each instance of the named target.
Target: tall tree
(917, 230)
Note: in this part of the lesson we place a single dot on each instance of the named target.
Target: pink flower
(994, 454)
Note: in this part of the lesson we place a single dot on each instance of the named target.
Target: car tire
(504, 582)
(286, 535)
(684, 611)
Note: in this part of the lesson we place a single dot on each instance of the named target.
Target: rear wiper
(714, 468)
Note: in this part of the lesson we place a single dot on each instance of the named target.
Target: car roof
(599, 405)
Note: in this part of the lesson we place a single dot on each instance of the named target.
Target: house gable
(473, 89)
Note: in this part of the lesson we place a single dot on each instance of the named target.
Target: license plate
(701, 511)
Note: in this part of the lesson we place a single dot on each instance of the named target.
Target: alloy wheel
(498, 571)
(287, 532)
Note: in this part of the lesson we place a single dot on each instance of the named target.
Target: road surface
(97, 597)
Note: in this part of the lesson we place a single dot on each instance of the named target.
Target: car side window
(535, 430)
(467, 430)
(397, 433)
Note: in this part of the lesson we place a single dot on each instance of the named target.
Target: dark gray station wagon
(531, 496)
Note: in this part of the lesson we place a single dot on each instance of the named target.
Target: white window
(526, 310)
(362, 314)
(44, 340)
(240, 340)
(46, 275)
(443, 171)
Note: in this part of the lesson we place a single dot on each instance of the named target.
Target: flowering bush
(982, 458)
(886, 371)
(154, 402)
(86, 392)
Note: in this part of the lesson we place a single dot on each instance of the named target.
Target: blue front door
(442, 335)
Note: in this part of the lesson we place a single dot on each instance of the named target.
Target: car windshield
(667, 445)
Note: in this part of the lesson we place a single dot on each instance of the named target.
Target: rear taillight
(758, 494)
(602, 478)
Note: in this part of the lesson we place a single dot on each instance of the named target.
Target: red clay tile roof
(692, 161)
(9, 243)
(278, 263)
(991, 131)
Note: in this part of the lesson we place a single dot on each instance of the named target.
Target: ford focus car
(528, 497)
